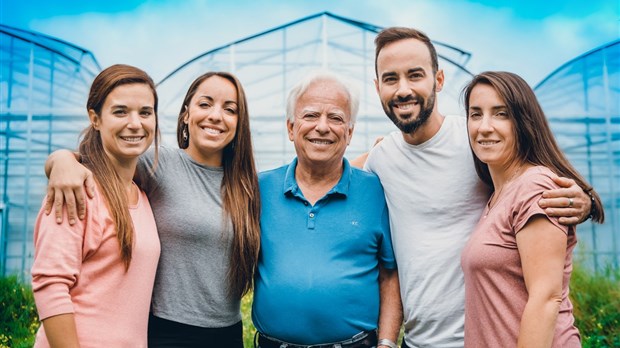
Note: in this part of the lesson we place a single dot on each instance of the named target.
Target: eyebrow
(123, 106)
(393, 73)
(416, 69)
(315, 111)
(210, 98)
(494, 108)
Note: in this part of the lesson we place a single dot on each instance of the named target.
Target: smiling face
(211, 116)
(491, 130)
(321, 130)
(406, 83)
(126, 122)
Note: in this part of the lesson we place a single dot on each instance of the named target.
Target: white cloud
(159, 37)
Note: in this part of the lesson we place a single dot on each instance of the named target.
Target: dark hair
(534, 140)
(393, 34)
(94, 157)
(240, 194)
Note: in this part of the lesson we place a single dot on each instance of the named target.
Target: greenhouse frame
(44, 84)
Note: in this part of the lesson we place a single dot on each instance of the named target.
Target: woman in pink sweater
(518, 261)
(92, 281)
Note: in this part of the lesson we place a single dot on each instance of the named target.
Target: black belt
(364, 339)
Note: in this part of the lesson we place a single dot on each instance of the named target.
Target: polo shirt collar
(341, 188)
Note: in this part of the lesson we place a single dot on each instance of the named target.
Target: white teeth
(487, 142)
(406, 107)
(321, 142)
(132, 139)
(212, 131)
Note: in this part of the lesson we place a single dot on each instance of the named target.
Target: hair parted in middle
(240, 193)
(94, 157)
(534, 140)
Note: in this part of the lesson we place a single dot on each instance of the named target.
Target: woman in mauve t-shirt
(518, 260)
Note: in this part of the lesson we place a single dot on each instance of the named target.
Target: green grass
(18, 314)
(246, 315)
(595, 297)
(596, 301)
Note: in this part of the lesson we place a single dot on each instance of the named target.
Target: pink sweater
(78, 269)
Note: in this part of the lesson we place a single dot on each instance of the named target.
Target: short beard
(411, 126)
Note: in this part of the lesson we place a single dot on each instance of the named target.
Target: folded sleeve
(59, 251)
(527, 197)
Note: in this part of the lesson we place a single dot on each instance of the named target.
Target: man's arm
(360, 160)
(67, 178)
(570, 203)
(390, 310)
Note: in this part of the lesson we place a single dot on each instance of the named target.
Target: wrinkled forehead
(325, 96)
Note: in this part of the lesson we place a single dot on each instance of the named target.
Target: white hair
(322, 75)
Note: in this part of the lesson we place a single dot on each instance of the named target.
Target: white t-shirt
(435, 199)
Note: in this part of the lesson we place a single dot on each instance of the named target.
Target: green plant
(246, 315)
(596, 300)
(595, 297)
(18, 315)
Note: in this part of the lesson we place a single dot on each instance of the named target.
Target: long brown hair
(94, 157)
(534, 140)
(240, 194)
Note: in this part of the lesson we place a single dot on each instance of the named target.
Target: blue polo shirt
(318, 271)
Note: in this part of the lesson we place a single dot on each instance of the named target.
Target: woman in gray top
(206, 204)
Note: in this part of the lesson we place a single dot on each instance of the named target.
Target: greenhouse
(43, 89)
(268, 64)
(45, 81)
(582, 101)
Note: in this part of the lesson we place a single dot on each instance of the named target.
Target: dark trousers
(403, 344)
(171, 334)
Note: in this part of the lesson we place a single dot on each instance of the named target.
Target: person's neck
(425, 132)
(126, 171)
(503, 175)
(316, 180)
(207, 159)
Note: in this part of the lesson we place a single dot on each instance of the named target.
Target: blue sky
(531, 38)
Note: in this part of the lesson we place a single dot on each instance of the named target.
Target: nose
(322, 125)
(486, 124)
(215, 114)
(133, 121)
(403, 89)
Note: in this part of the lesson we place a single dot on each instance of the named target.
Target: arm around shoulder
(67, 178)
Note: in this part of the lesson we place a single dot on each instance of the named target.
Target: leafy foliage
(595, 297)
(596, 301)
(18, 314)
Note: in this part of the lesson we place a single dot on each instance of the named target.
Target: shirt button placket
(311, 220)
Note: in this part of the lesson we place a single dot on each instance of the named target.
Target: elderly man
(434, 195)
(326, 274)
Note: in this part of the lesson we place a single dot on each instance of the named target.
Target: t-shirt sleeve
(527, 197)
(145, 176)
(369, 165)
(59, 251)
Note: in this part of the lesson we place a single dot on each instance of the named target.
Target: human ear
(94, 118)
(289, 128)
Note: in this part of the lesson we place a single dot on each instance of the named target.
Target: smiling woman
(206, 205)
(209, 120)
(93, 280)
(517, 262)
